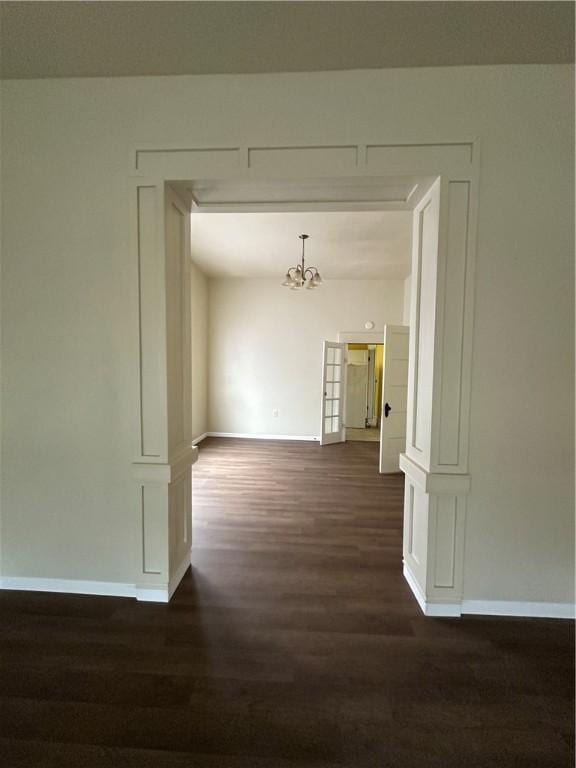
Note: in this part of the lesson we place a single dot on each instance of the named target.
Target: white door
(394, 396)
(333, 393)
(356, 395)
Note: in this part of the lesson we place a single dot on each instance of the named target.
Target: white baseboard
(162, 594)
(253, 436)
(414, 586)
(440, 610)
(68, 586)
(443, 610)
(199, 439)
(152, 594)
(158, 594)
(178, 575)
(521, 609)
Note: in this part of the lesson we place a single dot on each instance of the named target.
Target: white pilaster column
(436, 459)
(162, 466)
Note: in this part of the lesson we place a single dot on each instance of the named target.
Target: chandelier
(302, 276)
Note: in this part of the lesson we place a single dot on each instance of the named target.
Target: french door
(333, 393)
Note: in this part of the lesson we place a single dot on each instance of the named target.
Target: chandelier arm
(298, 275)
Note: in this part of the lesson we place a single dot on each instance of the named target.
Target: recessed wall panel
(419, 534)
(444, 556)
(419, 158)
(409, 518)
(153, 529)
(187, 164)
(426, 314)
(310, 161)
(450, 374)
(175, 239)
(180, 518)
(151, 322)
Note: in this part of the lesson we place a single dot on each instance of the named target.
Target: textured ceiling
(358, 245)
(89, 39)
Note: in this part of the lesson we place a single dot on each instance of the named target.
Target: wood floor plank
(294, 642)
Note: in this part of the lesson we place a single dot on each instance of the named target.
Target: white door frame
(361, 337)
(439, 477)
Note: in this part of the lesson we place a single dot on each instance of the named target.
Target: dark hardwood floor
(293, 643)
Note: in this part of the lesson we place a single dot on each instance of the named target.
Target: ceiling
(327, 194)
(107, 39)
(349, 245)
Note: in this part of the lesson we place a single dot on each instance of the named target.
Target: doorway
(362, 400)
(364, 363)
(437, 181)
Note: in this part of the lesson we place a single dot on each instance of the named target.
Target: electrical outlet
(275, 413)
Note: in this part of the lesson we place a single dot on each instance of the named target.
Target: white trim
(435, 482)
(179, 574)
(543, 610)
(163, 592)
(156, 472)
(68, 586)
(415, 587)
(519, 608)
(159, 594)
(361, 337)
(151, 594)
(254, 436)
(489, 607)
(201, 437)
(445, 610)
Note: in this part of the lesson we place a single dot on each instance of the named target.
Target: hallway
(295, 643)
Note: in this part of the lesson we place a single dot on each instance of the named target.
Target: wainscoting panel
(415, 547)
(154, 555)
(444, 554)
(449, 449)
(180, 520)
(421, 376)
(153, 443)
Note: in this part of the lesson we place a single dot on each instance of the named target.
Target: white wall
(199, 337)
(407, 287)
(69, 310)
(1, 262)
(266, 348)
